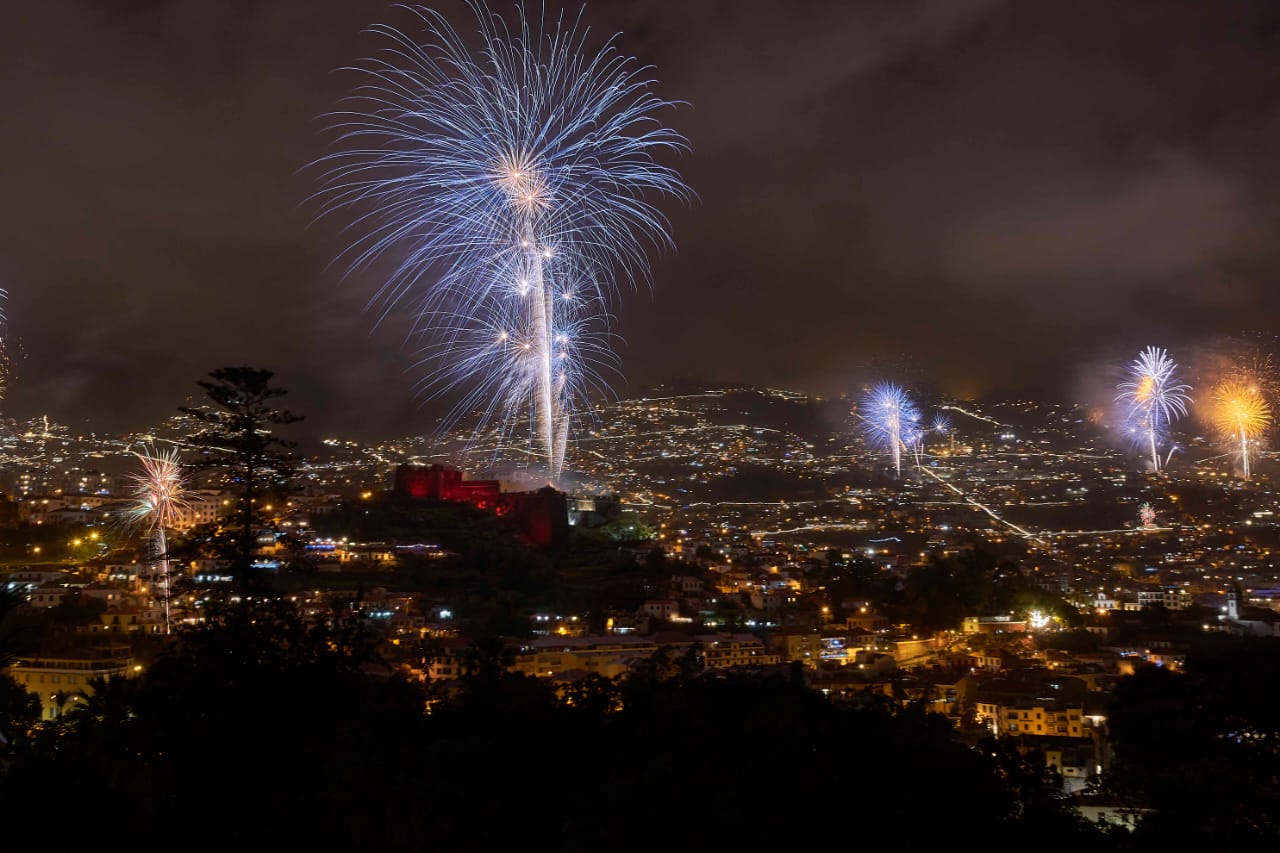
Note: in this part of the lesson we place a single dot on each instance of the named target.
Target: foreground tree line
(265, 728)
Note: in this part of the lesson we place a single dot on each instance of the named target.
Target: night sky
(1002, 195)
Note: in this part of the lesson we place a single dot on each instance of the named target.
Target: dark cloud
(999, 191)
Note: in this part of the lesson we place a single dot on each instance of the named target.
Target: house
(686, 586)
(1073, 761)
(810, 647)
(62, 679)
(1033, 702)
(28, 580)
(998, 624)
(128, 619)
(660, 608)
(995, 660)
(47, 595)
(722, 651)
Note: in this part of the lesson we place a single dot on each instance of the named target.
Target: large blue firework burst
(505, 184)
(891, 420)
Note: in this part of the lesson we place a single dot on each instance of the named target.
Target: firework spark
(160, 501)
(1240, 414)
(506, 186)
(1258, 368)
(891, 420)
(160, 497)
(1152, 398)
(943, 426)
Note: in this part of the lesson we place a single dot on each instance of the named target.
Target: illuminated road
(974, 502)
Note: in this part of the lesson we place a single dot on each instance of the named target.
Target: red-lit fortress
(543, 514)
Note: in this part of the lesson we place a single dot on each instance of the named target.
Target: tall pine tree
(237, 437)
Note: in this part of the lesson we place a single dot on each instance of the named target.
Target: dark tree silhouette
(237, 438)
(1199, 748)
(19, 710)
(10, 600)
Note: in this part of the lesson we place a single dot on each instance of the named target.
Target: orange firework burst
(1241, 415)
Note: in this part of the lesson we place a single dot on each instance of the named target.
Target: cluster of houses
(991, 676)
